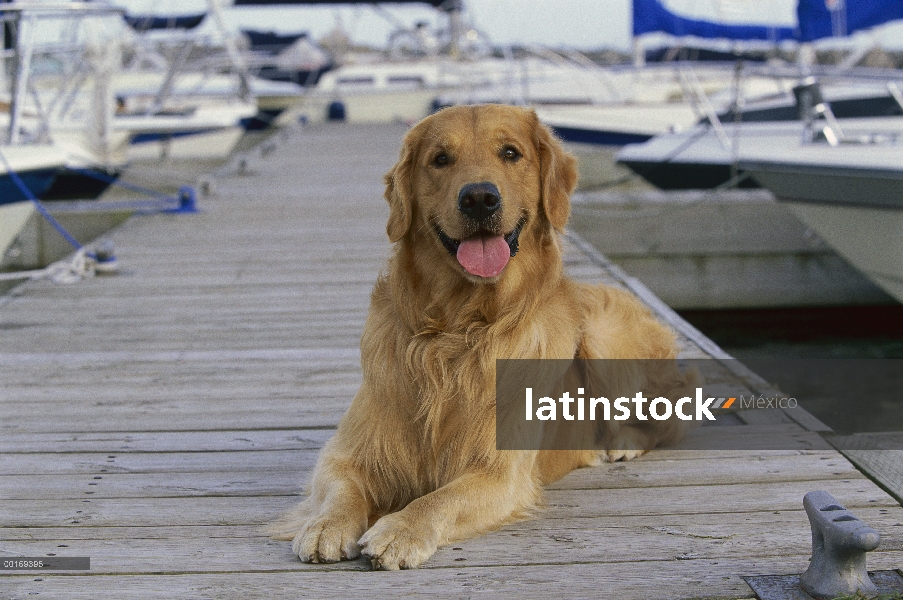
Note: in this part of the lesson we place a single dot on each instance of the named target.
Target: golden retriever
(477, 203)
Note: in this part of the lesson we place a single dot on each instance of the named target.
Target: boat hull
(13, 217)
(830, 184)
(616, 124)
(37, 181)
(211, 144)
(858, 211)
(868, 237)
(371, 107)
(677, 175)
(79, 184)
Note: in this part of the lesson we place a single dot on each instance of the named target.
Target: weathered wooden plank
(137, 463)
(192, 378)
(696, 526)
(318, 357)
(753, 438)
(667, 472)
(163, 441)
(301, 406)
(624, 581)
(267, 439)
(190, 507)
(238, 479)
(285, 467)
(185, 384)
(637, 541)
(330, 332)
(215, 416)
(157, 296)
(650, 580)
(885, 466)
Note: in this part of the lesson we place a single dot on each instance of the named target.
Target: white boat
(674, 110)
(202, 132)
(57, 92)
(177, 109)
(704, 156)
(617, 124)
(35, 166)
(381, 92)
(91, 164)
(272, 97)
(709, 156)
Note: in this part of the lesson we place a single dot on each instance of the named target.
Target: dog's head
(474, 180)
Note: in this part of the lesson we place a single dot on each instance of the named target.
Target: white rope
(73, 270)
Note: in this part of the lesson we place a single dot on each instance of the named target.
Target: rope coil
(81, 265)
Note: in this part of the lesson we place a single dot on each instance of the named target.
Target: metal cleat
(839, 544)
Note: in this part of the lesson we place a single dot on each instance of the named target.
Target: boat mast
(238, 60)
(454, 8)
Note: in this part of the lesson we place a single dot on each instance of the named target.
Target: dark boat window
(355, 81)
(406, 80)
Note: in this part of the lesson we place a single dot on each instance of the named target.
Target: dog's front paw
(328, 539)
(393, 543)
(626, 444)
(616, 455)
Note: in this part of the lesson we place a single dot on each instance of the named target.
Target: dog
(478, 201)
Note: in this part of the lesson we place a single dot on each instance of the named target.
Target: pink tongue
(484, 255)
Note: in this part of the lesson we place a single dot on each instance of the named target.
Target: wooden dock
(154, 420)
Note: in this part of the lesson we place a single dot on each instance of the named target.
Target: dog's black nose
(479, 201)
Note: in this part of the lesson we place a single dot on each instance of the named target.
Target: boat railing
(184, 54)
(24, 21)
(895, 93)
(702, 106)
(812, 107)
(571, 59)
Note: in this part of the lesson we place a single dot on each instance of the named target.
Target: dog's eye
(510, 154)
(441, 159)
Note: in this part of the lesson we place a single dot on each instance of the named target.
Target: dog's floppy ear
(558, 175)
(399, 192)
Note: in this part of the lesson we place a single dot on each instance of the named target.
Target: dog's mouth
(485, 253)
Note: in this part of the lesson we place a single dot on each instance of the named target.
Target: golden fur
(413, 464)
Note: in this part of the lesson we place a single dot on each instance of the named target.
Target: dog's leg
(470, 504)
(618, 326)
(325, 527)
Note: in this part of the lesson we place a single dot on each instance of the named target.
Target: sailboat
(705, 155)
(842, 177)
(655, 97)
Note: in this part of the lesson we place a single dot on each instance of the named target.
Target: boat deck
(154, 420)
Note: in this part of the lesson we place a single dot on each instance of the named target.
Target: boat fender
(335, 111)
(105, 262)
